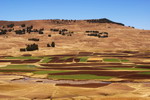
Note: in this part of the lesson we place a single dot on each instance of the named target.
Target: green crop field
(32, 67)
(111, 60)
(124, 60)
(142, 65)
(46, 60)
(83, 59)
(48, 72)
(145, 73)
(79, 77)
(65, 58)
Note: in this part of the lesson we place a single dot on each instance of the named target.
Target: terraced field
(83, 66)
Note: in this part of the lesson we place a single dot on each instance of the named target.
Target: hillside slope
(120, 37)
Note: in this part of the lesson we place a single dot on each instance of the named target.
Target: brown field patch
(10, 61)
(90, 85)
(73, 68)
(147, 67)
(69, 60)
(54, 60)
(76, 59)
(26, 61)
(99, 73)
(136, 76)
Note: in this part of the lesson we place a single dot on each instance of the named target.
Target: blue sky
(130, 12)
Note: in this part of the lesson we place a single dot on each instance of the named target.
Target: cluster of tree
(2, 32)
(24, 29)
(131, 26)
(10, 26)
(62, 31)
(51, 45)
(54, 30)
(65, 32)
(33, 39)
(29, 29)
(104, 20)
(92, 31)
(97, 34)
(20, 32)
(63, 21)
(31, 47)
(10, 30)
(41, 31)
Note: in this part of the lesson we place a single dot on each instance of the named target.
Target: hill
(70, 36)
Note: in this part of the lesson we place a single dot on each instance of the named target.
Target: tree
(3, 32)
(53, 44)
(23, 25)
(10, 26)
(29, 29)
(48, 45)
(20, 32)
(41, 32)
(49, 35)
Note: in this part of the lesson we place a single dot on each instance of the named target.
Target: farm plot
(79, 77)
(79, 67)
(32, 67)
(18, 68)
(46, 59)
(24, 57)
(49, 72)
(90, 85)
